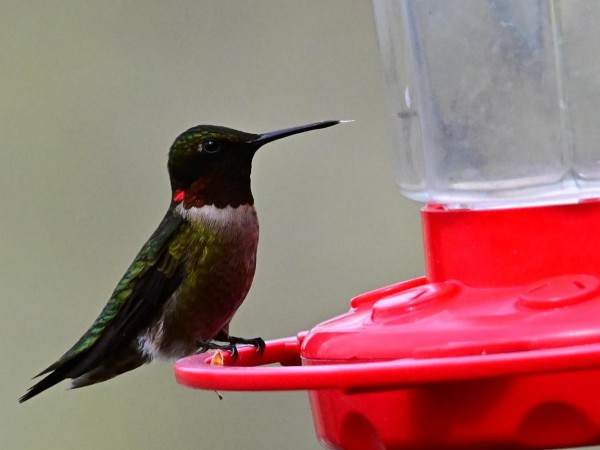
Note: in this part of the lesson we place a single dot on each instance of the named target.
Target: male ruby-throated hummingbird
(188, 280)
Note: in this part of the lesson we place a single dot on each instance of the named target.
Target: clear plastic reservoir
(496, 103)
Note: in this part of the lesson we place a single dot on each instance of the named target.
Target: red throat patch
(178, 196)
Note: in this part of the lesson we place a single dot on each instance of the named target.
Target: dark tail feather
(46, 383)
(57, 372)
(86, 371)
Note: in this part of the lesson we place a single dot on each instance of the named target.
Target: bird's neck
(219, 188)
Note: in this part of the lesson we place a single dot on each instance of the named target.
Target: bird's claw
(204, 346)
(233, 350)
(257, 342)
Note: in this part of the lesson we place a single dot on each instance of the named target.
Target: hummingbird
(186, 283)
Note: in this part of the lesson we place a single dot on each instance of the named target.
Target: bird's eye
(210, 146)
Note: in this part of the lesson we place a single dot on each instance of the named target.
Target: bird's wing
(149, 282)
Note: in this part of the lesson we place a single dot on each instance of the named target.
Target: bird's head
(211, 165)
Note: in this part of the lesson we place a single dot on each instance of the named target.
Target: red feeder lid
(418, 320)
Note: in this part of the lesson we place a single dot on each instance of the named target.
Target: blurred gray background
(92, 94)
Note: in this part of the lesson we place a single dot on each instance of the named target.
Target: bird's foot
(257, 342)
(203, 346)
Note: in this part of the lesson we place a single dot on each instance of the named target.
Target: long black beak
(274, 135)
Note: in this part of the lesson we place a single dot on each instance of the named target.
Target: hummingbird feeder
(498, 345)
